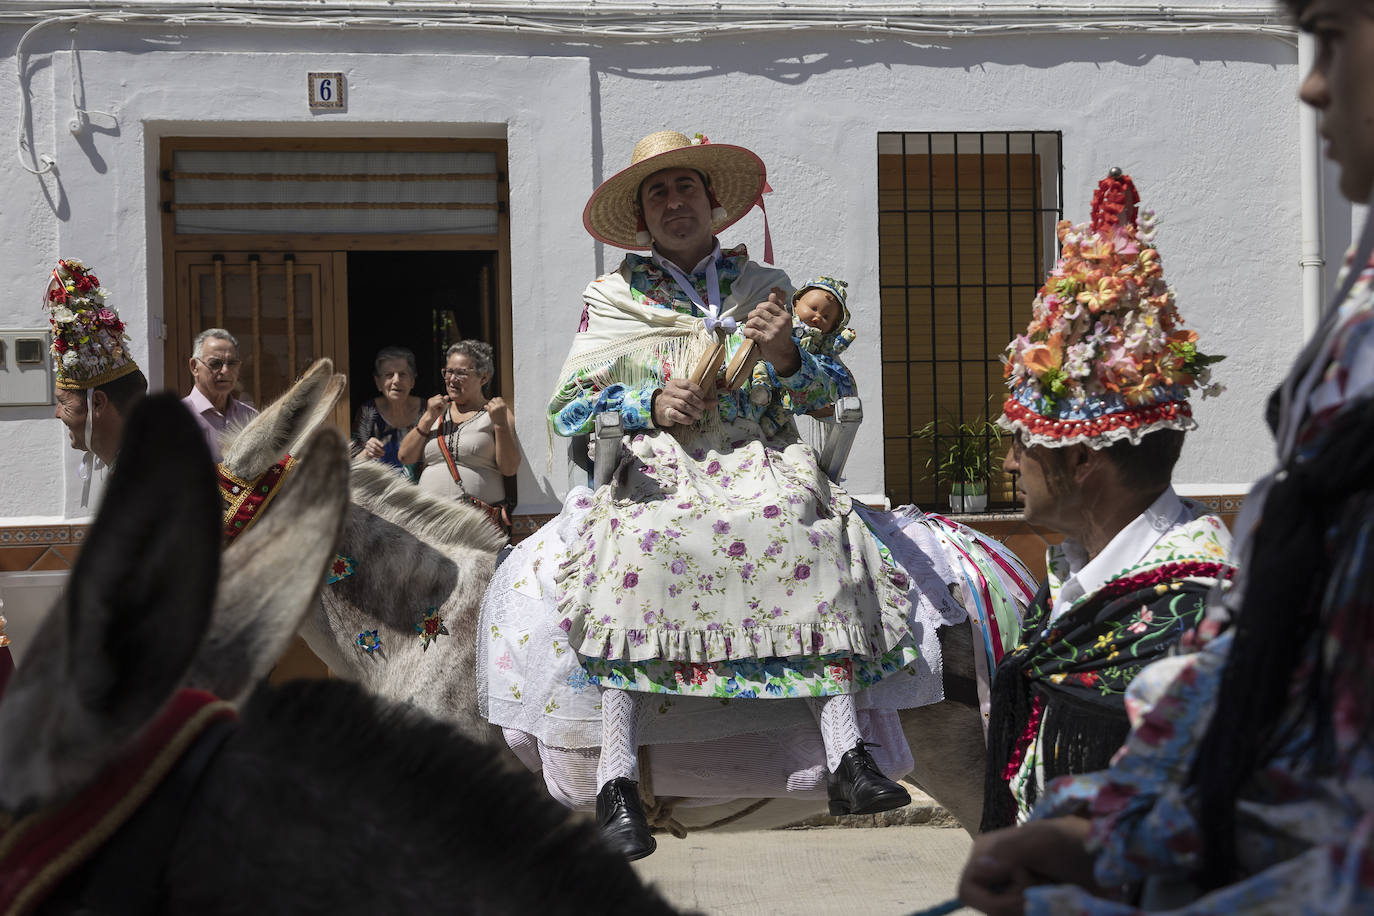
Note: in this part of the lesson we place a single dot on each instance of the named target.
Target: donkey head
(140, 615)
(284, 426)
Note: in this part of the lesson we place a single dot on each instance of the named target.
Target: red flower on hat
(59, 344)
(58, 294)
(86, 282)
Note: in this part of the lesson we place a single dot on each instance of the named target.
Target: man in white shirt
(215, 367)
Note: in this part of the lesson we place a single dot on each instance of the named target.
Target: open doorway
(424, 300)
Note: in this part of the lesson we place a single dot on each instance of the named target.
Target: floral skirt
(716, 555)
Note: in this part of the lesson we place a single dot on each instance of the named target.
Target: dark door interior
(424, 300)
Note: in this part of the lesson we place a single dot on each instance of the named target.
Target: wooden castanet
(743, 364)
(709, 365)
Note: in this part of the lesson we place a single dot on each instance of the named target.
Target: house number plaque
(327, 91)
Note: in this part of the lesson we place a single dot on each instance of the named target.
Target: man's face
(1341, 87)
(71, 410)
(1042, 485)
(818, 308)
(677, 210)
(216, 370)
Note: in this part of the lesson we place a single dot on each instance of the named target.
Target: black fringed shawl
(1066, 682)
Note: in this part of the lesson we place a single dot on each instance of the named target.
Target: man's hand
(1003, 863)
(770, 326)
(678, 403)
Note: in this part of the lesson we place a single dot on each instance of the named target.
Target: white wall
(1205, 124)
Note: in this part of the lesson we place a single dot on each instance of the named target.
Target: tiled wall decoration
(33, 548)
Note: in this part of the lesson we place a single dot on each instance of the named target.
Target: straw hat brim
(737, 178)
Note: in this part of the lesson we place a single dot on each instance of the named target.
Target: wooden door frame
(176, 345)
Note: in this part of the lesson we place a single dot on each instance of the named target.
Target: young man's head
(1341, 85)
(1067, 488)
(110, 404)
(676, 206)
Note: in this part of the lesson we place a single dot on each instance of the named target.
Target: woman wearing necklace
(464, 441)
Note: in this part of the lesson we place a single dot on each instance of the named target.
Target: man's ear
(99, 401)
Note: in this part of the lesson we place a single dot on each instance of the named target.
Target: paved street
(883, 871)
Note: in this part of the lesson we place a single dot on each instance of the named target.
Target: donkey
(411, 552)
(411, 556)
(318, 797)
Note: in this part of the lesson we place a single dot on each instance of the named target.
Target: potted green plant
(961, 453)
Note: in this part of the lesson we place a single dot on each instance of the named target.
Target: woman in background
(382, 422)
(465, 441)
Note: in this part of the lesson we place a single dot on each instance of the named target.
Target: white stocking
(839, 726)
(619, 736)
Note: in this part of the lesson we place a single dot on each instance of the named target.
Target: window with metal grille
(966, 233)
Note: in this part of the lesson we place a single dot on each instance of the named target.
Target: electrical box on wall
(25, 368)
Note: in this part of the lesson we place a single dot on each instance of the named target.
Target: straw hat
(89, 346)
(1105, 357)
(737, 182)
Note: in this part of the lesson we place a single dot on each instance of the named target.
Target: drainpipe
(1310, 169)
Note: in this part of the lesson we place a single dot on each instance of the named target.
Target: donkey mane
(441, 522)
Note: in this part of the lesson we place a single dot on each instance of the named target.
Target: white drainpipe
(1310, 166)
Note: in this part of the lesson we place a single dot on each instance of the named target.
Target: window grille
(966, 233)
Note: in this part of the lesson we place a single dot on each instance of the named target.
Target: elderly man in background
(215, 367)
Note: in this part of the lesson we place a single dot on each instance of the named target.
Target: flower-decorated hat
(737, 178)
(89, 346)
(1105, 357)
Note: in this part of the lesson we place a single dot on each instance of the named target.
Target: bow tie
(728, 325)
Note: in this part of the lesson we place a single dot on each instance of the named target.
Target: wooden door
(286, 308)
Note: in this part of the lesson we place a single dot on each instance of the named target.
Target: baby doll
(820, 324)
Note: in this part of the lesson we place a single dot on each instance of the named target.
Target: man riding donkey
(721, 563)
(1097, 412)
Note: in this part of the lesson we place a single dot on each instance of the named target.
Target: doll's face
(819, 309)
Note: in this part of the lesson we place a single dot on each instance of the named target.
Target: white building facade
(1197, 103)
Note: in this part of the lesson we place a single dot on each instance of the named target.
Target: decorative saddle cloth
(43, 849)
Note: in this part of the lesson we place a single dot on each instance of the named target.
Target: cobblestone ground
(817, 871)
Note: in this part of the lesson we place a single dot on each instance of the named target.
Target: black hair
(1149, 463)
(125, 391)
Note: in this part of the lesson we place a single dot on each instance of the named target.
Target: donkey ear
(139, 598)
(273, 571)
(283, 426)
(137, 603)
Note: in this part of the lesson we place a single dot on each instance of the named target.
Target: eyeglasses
(215, 364)
(458, 373)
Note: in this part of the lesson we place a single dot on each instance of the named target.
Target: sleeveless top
(473, 443)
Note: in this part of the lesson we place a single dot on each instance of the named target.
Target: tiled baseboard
(40, 548)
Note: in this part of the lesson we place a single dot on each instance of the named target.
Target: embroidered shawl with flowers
(1057, 699)
(1105, 357)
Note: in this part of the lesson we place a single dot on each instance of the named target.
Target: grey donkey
(412, 555)
(414, 551)
(322, 797)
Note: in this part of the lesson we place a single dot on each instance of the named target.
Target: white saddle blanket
(787, 763)
(530, 680)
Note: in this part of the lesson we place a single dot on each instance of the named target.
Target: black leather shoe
(621, 819)
(860, 787)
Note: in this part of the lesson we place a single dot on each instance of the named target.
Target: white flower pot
(968, 497)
